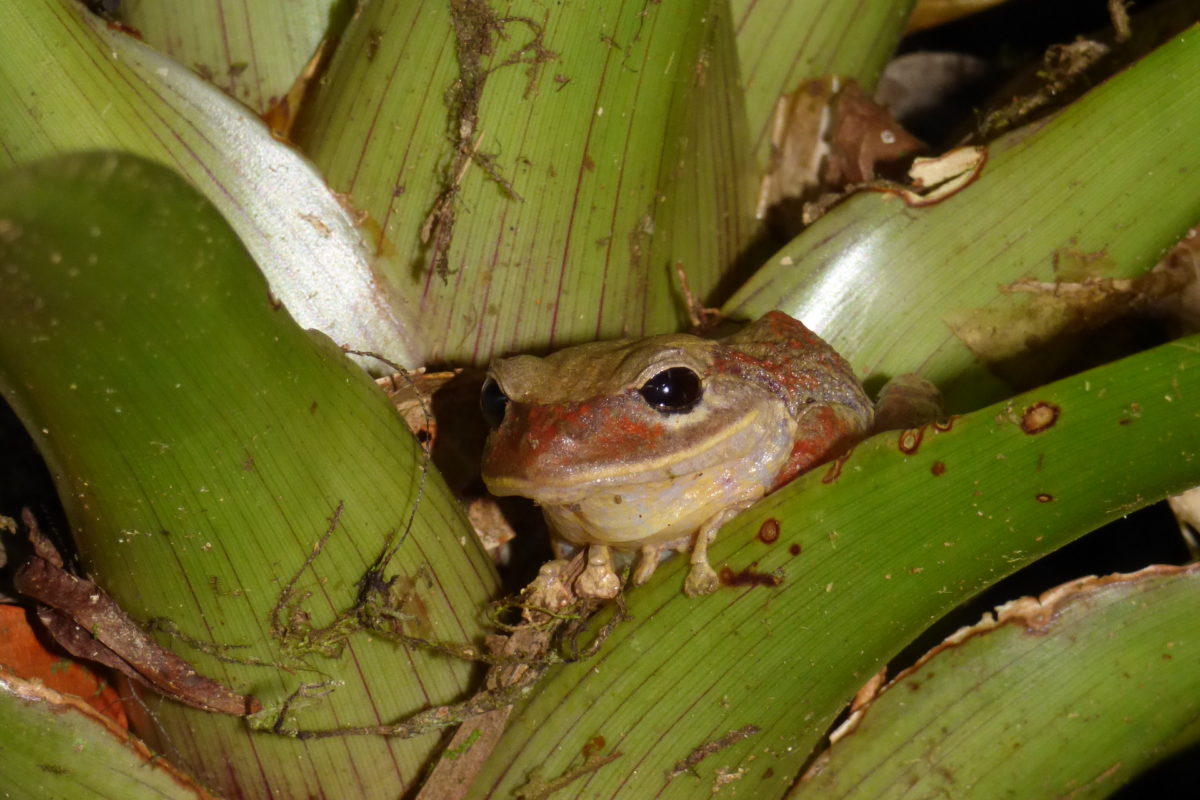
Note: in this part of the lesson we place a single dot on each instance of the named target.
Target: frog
(651, 444)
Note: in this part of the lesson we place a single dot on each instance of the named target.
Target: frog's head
(611, 414)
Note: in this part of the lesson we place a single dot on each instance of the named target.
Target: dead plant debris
(711, 748)
(89, 624)
(477, 28)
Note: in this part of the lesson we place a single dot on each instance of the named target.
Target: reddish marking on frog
(768, 532)
(822, 434)
(1045, 498)
(593, 745)
(603, 424)
(619, 431)
(938, 469)
(1039, 417)
(910, 440)
(748, 577)
(788, 359)
(794, 548)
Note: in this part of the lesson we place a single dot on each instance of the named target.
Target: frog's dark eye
(492, 402)
(673, 391)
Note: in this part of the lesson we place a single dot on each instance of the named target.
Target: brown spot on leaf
(593, 745)
(1045, 498)
(748, 577)
(768, 532)
(121, 27)
(910, 440)
(835, 467)
(943, 425)
(794, 548)
(1039, 417)
(1132, 412)
(938, 469)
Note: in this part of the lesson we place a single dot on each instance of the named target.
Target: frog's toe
(701, 580)
(647, 562)
(598, 583)
(551, 589)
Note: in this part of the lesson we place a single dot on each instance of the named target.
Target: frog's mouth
(754, 439)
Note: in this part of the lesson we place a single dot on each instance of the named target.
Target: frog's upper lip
(566, 484)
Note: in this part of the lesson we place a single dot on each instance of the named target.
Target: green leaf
(57, 746)
(1071, 694)
(253, 51)
(1101, 190)
(870, 551)
(69, 83)
(532, 179)
(201, 442)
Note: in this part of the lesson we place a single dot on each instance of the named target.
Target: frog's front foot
(551, 589)
(598, 581)
(701, 578)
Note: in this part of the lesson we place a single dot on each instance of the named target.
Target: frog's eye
(673, 391)
(492, 402)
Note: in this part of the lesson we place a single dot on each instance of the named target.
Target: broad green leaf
(869, 551)
(57, 746)
(1101, 190)
(783, 43)
(576, 152)
(68, 83)
(253, 51)
(201, 442)
(1072, 694)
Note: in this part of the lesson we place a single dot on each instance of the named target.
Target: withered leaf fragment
(864, 137)
(89, 624)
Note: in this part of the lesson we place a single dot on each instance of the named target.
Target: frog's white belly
(660, 512)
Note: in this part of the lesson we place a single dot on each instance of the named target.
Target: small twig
(279, 627)
(538, 788)
(704, 751)
(217, 651)
(422, 722)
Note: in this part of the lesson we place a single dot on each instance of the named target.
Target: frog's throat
(666, 466)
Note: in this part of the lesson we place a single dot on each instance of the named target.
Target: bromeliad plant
(485, 181)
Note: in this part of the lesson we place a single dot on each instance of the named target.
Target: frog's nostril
(673, 391)
(493, 402)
